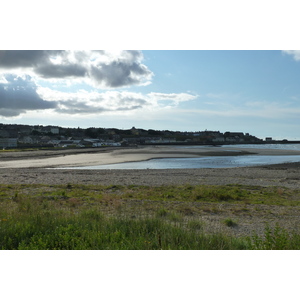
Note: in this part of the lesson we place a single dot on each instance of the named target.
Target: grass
(200, 193)
(26, 149)
(275, 239)
(229, 222)
(133, 217)
(92, 230)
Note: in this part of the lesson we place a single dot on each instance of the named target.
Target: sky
(254, 91)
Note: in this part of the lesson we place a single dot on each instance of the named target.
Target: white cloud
(294, 53)
(175, 98)
(83, 102)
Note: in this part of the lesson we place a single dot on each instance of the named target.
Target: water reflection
(201, 162)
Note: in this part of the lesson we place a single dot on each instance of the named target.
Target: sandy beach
(40, 167)
(101, 156)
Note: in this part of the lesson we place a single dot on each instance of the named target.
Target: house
(28, 140)
(45, 139)
(65, 143)
(219, 139)
(8, 143)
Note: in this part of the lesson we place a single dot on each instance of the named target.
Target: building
(8, 143)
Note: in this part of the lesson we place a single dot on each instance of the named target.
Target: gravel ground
(261, 176)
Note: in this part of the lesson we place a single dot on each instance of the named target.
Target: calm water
(210, 162)
(267, 146)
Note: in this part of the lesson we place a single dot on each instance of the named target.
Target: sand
(90, 157)
(40, 167)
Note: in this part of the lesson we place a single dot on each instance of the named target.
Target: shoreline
(42, 167)
(99, 156)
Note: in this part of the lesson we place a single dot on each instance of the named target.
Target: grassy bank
(138, 217)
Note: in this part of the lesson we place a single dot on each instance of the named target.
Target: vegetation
(134, 217)
(27, 149)
(230, 223)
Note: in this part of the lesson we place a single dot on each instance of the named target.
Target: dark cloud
(25, 58)
(17, 95)
(77, 107)
(61, 71)
(118, 73)
(115, 71)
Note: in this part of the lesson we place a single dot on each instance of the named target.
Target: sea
(209, 162)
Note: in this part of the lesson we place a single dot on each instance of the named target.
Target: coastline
(42, 167)
(100, 156)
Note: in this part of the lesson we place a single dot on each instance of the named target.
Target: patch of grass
(174, 217)
(275, 239)
(229, 222)
(162, 212)
(195, 224)
(186, 210)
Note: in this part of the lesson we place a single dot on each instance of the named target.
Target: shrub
(229, 222)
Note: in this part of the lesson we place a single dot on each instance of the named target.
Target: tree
(90, 132)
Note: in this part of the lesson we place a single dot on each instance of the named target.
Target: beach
(42, 167)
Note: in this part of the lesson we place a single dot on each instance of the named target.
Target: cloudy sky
(249, 91)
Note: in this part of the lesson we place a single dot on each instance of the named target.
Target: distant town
(27, 136)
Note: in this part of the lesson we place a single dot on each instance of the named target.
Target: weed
(174, 217)
(275, 239)
(73, 202)
(64, 194)
(195, 224)
(186, 210)
(162, 212)
(229, 222)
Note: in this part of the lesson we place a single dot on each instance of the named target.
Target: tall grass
(91, 229)
(79, 217)
(275, 238)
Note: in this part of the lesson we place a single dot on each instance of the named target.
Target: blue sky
(189, 90)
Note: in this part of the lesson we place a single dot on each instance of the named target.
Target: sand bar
(39, 167)
(91, 157)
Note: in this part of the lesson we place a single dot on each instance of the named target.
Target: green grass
(92, 230)
(132, 217)
(229, 222)
(26, 149)
(275, 239)
(186, 193)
